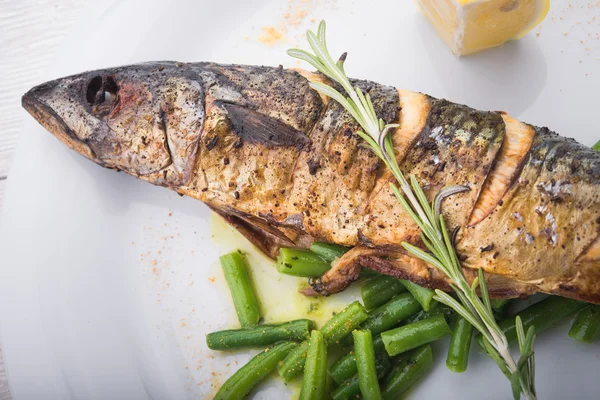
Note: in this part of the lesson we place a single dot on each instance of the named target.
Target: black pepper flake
(496, 254)
(489, 247)
(212, 143)
(501, 203)
(237, 195)
(313, 166)
(226, 161)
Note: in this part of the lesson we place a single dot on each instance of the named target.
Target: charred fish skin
(456, 146)
(550, 215)
(284, 165)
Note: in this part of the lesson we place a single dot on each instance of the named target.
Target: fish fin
(254, 127)
(268, 239)
(343, 272)
(347, 269)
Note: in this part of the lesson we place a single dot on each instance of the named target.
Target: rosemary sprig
(434, 234)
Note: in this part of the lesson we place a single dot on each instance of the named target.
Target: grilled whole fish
(284, 166)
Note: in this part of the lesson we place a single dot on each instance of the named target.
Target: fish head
(119, 117)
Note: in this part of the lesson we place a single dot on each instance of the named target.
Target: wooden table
(30, 32)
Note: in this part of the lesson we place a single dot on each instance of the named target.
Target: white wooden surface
(30, 31)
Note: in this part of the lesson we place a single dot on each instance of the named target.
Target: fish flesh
(284, 165)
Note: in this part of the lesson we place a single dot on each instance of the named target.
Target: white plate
(91, 310)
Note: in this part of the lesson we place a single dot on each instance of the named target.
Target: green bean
(441, 309)
(380, 290)
(498, 304)
(337, 327)
(368, 273)
(398, 309)
(365, 361)
(543, 315)
(293, 364)
(460, 345)
(314, 381)
(410, 369)
(299, 262)
(242, 292)
(328, 251)
(244, 379)
(389, 315)
(350, 388)
(422, 294)
(260, 336)
(586, 327)
(345, 367)
(596, 146)
(344, 322)
(410, 336)
(499, 308)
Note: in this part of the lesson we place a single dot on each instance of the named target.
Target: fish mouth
(44, 114)
(49, 119)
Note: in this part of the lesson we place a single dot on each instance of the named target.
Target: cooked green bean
(260, 336)
(365, 362)
(543, 315)
(337, 327)
(345, 367)
(328, 251)
(441, 309)
(344, 322)
(410, 369)
(586, 327)
(300, 262)
(413, 335)
(314, 381)
(350, 388)
(242, 292)
(293, 364)
(422, 294)
(498, 304)
(244, 379)
(596, 146)
(380, 290)
(500, 308)
(389, 315)
(460, 345)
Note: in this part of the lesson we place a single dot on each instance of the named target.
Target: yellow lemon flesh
(468, 26)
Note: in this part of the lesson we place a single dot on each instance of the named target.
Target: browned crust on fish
(507, 166)
(531, 218)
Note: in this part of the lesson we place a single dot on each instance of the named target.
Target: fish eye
(93, 89)
(102, 94)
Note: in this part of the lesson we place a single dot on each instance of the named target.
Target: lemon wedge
(468, 26)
